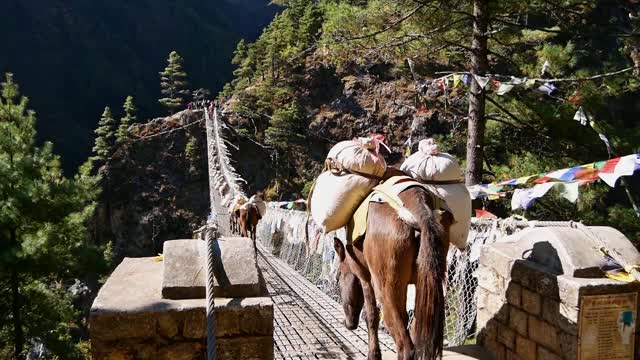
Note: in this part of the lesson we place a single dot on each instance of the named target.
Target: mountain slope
(74, 57)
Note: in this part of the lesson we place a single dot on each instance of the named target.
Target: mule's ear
(339, 247)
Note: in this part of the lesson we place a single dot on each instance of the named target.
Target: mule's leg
(396, 319)
(373, 320)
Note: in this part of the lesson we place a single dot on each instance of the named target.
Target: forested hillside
(74, 57)
(326, 71)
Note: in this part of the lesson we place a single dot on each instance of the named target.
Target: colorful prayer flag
(481, 80)
(485, 214)
(624, 166)
(457, 78)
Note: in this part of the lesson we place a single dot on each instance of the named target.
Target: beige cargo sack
(353, 169)
(428, 165)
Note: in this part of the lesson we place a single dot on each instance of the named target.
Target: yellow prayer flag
(457, 78)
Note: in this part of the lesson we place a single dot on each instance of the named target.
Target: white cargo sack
(259, 203)
(427, 165)
(336, 198)
(352, 169)
(358, 156)
(430, 165)
(458, 200)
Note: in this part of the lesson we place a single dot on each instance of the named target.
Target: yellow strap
(621, 276)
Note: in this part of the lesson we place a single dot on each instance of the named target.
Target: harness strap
(441, 182)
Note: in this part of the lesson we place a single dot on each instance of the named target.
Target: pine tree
(173, 83)
(43, 232)
(105, 136)
(129, 118)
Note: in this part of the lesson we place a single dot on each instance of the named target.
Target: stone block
(494, 257)
(184, 269)
(496, 349)
(195, 324)
(258, 347)
(544, 334)
(234, 317)
(569, 346)
(236, 269)
(544, 354)
(535, 277)
(182, 351)
(168, 325)
(146, 351)
(568, 319)
(511, 355)
(488, 328)
(531, 302)
(490, 280)
(495, 305)
(518, 321)
(118, 326)
(506, 336)
(572, 289)
(514, 294)
(525, 348)
(551, 311)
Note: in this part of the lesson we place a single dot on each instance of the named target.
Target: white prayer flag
(581, 116)
(481, 80)
(504, 88)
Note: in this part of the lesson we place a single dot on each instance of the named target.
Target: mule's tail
(430, 281)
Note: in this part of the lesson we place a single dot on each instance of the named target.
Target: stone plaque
(607, 327)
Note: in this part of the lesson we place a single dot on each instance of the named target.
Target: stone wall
(130, 320)
(526, 312)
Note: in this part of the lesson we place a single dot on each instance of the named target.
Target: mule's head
(350, 288)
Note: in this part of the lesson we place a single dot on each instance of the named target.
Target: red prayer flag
(484, 214)
(610, 166)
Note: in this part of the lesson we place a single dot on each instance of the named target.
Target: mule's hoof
(374, 355)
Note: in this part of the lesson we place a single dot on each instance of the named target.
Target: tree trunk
(477, 121)
(18, 335)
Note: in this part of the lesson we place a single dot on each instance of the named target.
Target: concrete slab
(567, 251)
(236, 270)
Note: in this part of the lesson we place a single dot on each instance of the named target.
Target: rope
(212, 237)
(619, 258)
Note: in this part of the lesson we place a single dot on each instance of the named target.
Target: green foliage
(173, 83)
(105, 134)
(191, 149)
(43, 233)
(123, 134)
(286, 127)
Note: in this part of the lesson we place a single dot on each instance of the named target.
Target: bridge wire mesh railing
(284, 232)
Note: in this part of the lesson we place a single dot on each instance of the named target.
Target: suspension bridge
(308, 319)
(521, 307)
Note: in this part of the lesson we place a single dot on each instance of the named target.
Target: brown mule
(234, 218)
(391, 257)
(248, 220)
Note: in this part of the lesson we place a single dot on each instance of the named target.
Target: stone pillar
(530, 289)
(130, 318)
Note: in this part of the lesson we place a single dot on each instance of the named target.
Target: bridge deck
(308, 323)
